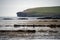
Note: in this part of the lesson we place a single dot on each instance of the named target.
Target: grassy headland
(44, 10)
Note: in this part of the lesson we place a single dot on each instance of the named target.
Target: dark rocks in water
(33, 31)
(50, 31)
(16, 25)
(53, 31)
(7, 19)
(26, 31)
(42, 31)
(52, 25)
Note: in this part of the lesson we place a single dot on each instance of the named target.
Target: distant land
(40, 11)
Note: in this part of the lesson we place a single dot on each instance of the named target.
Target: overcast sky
(10, 7)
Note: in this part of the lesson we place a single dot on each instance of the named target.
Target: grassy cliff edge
(44, 10)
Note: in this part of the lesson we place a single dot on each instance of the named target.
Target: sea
(29, 36)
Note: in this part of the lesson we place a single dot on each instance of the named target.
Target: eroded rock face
(21, 14)
(46, 16)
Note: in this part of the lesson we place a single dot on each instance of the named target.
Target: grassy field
(44, 10)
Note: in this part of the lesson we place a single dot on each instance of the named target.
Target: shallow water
(29, 36)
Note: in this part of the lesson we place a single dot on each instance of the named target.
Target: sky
(11, 7)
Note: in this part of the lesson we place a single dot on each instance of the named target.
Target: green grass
(44, 10)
